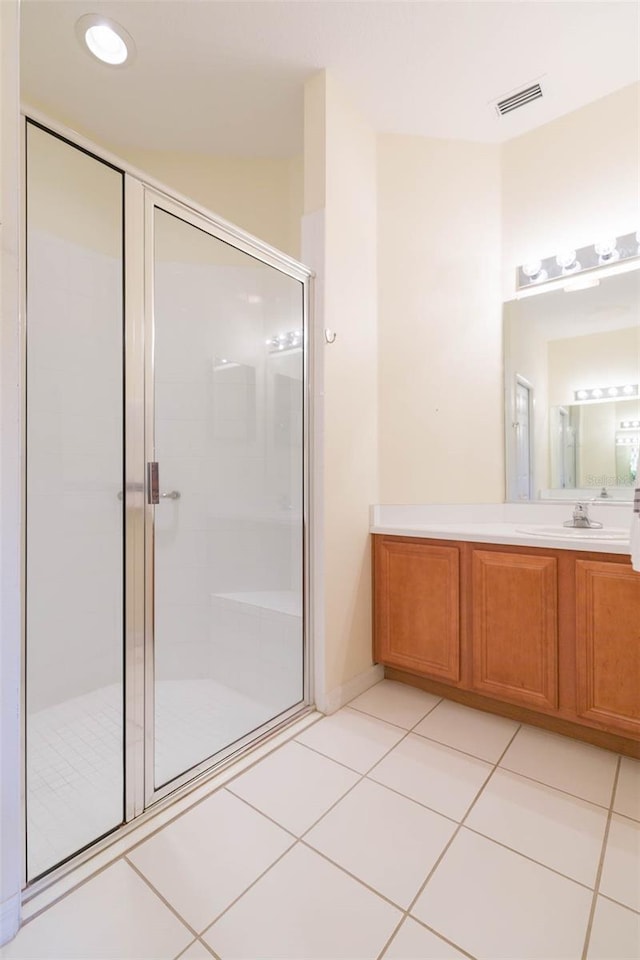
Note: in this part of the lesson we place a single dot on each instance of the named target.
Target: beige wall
(262, 195)
(571, 181)
(440, 327)
(340, 194)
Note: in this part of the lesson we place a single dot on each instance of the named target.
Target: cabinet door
(417, 608)
(515, 628)
(608, 644)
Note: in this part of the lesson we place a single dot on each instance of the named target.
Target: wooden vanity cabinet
(514, 622)
(608, 644)
(541, 635)
(417, 603)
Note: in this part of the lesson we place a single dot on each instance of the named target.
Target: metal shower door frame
(245, 243)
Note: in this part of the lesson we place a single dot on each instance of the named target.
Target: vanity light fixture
(630, 424)
(591, 394)
(576, 269)
(105, 39)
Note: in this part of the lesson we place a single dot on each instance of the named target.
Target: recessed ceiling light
(105, 39)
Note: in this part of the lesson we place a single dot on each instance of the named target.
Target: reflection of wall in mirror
(601, 359)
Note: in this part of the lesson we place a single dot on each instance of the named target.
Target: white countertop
(500, 523)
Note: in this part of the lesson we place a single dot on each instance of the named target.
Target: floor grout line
(161, 897)
(576, 796)
(302, 841)
(448, 845)
(596, 886)
(247, 889)
(208, 948)
(461, 823)
(618, 903)
(188, 947)
(525, 856)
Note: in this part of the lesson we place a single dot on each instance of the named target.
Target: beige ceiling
(227, 77)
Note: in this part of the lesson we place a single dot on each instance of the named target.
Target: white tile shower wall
(74, 600)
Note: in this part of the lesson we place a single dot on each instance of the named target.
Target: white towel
(634, 536)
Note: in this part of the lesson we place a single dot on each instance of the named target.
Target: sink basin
(576, 533)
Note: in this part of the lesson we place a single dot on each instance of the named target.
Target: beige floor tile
(352, 738)
(441, 778)
(549, 826)
(197, 951)
(114, 916)
(627, 798)
(620, 878)
(578, 768)
(304, 907)
(208, 857)
(294, 786)
(615, 934)
(498, 905)
(396, 703)
(481, 734)
(384, 839)
(415, 942)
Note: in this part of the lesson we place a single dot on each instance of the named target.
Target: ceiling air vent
(519, 99)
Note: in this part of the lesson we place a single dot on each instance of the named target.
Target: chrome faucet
(581, 517)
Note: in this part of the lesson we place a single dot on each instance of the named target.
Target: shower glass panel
(228, 531)
(74, 522)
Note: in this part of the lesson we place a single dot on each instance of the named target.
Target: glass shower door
(74, 697)
(225, 480)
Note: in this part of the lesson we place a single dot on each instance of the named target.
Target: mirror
(572, 400)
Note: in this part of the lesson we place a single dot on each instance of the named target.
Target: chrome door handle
(153, 482)
(172, 495)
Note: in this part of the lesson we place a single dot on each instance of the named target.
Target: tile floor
(74, 756)
(403, 827)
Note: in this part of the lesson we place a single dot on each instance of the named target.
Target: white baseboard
(9, 918)
(337, 698)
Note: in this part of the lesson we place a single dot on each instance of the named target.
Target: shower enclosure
(166, 495)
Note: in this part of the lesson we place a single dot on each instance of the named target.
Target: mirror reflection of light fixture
(630, 424)
(575, 269)
(589, 394)
(291, 340)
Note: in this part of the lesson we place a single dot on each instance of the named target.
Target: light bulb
(613, 391)
(106, 45)
(532, 269)
(606, 250)
(597, 393)
(628, 390)
(567, 260)
(107, 40)
(582, 394)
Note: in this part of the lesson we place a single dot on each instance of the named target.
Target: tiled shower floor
(75, 757)
(402, 827)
